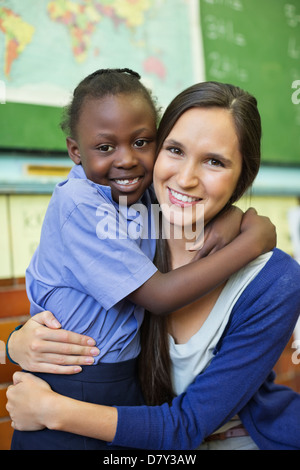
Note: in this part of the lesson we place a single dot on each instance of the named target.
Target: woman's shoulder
(268, 272)
(277, 283)
(282, 265)
(271, 298)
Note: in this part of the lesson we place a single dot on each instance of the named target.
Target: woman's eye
(175, 150)
(215, 162)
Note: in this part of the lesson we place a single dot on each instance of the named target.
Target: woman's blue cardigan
(239, 380)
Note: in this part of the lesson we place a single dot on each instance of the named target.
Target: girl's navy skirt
(103, 384)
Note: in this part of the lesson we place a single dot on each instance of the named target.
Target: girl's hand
(28, 399)
(261, 230)
(221, 231)
(42, 346)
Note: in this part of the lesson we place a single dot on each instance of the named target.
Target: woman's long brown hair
(155, 363)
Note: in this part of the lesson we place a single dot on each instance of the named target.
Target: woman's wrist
(10, 350)
(61, 413)
(51, 410)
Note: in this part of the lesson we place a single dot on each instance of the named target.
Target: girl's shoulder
(75, 192)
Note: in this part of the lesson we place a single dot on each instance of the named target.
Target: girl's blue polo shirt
(86, 265)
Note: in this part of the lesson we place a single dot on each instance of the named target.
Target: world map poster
(47, 47)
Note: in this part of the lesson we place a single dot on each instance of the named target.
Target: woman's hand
(33, 406)
(42, 346)
(28, 402)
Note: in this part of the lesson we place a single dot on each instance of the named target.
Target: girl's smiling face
(199, 163)
(115, 143)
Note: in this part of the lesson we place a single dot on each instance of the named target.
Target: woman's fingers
(64, 349)
(35, 346)
(61, 351)
(64, 336)
(46, 318)
(51, 368)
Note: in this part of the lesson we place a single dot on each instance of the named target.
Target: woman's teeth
(127, 182)
(183, 197)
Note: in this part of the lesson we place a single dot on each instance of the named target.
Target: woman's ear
(73, 150)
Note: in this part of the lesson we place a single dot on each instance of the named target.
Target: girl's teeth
(182, 197)
(126, 182)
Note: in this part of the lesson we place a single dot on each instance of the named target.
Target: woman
(208, 153)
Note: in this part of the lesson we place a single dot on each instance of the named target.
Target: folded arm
(167, 292)
(41, 346)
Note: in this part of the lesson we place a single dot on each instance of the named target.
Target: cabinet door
(5, 248)
(26, 215)
(277, 209)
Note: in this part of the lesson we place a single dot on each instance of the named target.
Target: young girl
(97, 284)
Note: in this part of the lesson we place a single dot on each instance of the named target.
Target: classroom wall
(45, 49)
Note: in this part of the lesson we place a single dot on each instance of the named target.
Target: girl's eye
(105, 148)
(140, 143)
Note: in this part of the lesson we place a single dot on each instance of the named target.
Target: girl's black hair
(101, 83)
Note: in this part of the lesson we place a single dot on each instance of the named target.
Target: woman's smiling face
(199, 163)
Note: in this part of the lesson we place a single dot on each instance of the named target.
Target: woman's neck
(179, 245)
(185, 322)
(180, 255)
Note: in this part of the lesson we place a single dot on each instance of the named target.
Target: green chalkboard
(252, 43)
(31, 127)
(255, 44)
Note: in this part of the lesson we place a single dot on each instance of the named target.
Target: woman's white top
(191, 358)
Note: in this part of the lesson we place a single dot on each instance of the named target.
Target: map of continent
(81, 19)
(47, 46)
(18, 34)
